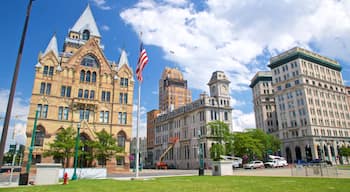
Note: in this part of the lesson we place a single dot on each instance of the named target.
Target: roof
(86, 21)
(300, 53)
(52, 46)
(261, 76)
(123, 59)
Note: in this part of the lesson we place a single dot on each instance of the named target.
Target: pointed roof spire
(123, 59)
(86, 21)
(52, 46)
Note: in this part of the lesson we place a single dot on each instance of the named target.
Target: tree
(63, 146)
(104, 147)
(254, 144)
(220, 133)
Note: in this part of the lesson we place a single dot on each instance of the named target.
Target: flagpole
(137, 132)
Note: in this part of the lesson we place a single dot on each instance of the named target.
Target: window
(92, 94)
(106, 96)
(82, 76)
(51, 71)
(86, 94)
(60, 113)
(39, 136)
(86, 34)
(48, 88)
(89, 61)
(120, 160)
(46, 70)
(45, 88)
(124, 82)
(63, 91)
(80, 93)
(93, 78)
(121, 139)
(123, 98)
(104, 116)
(42, 110)
(42, 88)
(88, 76)
(65, 113)
(84, 114)
(226, 116)
(68, 90)
(122, 118)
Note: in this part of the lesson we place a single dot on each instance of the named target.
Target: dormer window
(86, 35)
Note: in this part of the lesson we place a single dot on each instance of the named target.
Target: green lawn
(196, 183)
(343, 166)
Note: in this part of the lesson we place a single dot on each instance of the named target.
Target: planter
(221, 168)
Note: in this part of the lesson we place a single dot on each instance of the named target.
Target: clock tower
(219, 85)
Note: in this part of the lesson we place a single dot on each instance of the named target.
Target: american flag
(143, 60)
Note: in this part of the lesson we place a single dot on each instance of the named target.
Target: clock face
(224, 89)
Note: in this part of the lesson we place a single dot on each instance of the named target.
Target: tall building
(173, 91)
(151, 122)
(189, 125)
(264, 102)
(80, 86)
(312, 106)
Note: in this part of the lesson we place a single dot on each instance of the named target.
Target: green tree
(268, 142)
(104, 147)
(63, 146)
(220, 133)
(246, 145)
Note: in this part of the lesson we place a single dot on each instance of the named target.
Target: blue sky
(198, 37)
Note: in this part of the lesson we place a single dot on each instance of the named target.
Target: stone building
(264, 102)
(173, 90)
(188, 124)
(311, 104)
(81, 86)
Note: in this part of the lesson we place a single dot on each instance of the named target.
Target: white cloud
(105, 27)
(18, 119)
(143, 121)
(101, 4)
(230, 35)
(242, 121)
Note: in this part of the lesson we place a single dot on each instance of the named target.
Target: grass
(195, 183)
(343, 166)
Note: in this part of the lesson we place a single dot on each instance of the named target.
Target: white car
(254, 165)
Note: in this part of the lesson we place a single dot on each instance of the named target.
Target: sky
(196, 36)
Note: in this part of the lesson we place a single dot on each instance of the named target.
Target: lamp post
(32, 143)
(74, 177)
(200, 153)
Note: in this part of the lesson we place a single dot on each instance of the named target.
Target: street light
(74, 177)
(200, 153)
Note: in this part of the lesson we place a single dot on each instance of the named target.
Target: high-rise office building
(311, 104)
(173, 91)
(264, 102)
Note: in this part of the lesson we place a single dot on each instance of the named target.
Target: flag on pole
(143, 60)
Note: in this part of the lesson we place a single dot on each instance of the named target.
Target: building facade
(81, 86)
(173, 90)
(264, 102)
(312, 106)
(189, 125)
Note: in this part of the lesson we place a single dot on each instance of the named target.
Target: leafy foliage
(104, 147)
(255, 144)
(220, 133)
(63, 145)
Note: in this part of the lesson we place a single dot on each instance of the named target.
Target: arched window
(82, 76)
(88, 75)
(93, 78)
(86, 34)
(121, 139)
(39, 136)
(89, 61)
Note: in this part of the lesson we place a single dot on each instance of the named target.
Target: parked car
(320, 161)
(271, 164)
(254, 165)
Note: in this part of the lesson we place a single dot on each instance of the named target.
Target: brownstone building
(173, 91)
(81, 86)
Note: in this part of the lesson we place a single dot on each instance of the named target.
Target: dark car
(320, 161)
(6, 169)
